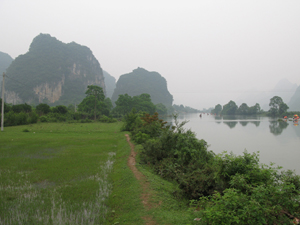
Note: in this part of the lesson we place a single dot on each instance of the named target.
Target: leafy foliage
(60, 109)
(277, 106)
(95, 102)
(13, 119)
(42, 109)
(141, 103)
(228, 189)
(21, 108)
(217, 110)
(7, 107)
(230, 108)
(184, 109)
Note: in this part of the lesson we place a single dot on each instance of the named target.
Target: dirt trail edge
(143, 182)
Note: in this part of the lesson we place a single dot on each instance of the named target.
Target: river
(277, 142)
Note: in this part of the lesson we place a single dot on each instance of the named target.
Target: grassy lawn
(77, 173)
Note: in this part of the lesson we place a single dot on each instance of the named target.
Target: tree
(7, 107)
(230, 108)
(97, 93)
(283, 108)
(243, 109)
(42, 108)
(277, 106)
(217, 109)
(161, 109)
(61, 109)
(108, 103)
(124, 104)
(21, 108)
(255, 109)
(142, 103)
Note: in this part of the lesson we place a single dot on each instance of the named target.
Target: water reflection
(244, 123)
(231, 124)
(276, 127)
(233, 120)
(256, 123)
(276, 141)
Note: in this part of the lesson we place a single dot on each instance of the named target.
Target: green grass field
(77, 173)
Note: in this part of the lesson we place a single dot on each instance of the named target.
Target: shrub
(130, 121)
(33, 117)
(86, 121)
(61, 109)
(265, 204)
(43, 119)
(106, 119)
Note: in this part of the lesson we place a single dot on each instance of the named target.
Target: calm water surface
(277, 142)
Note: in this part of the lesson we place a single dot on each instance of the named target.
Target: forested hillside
(52, 72)
(294, 104)
(110, 84)
(141, 81)
(5, 61)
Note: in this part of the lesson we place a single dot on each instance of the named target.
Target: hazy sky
(208, 51)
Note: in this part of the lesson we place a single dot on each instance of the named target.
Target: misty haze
(144, 112)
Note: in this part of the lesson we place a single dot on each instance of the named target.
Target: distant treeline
(93, 107)
(184, 109)
(277, 108)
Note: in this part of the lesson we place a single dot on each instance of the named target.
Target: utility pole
(2, 111)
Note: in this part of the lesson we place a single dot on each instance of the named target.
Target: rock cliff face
(52, 72)
(141, 81)
(52, 93)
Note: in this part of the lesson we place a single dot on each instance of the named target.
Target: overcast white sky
(208, 51)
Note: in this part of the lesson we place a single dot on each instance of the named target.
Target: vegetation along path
(145, 197)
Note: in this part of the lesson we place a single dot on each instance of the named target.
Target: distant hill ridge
(5, 61)
(52, 72)
(284, 89)
(294, 103)
(141, 81)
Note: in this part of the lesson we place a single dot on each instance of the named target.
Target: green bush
(262, 204)
(228, 189)
(141, 137)
(130, 121)
(106, 119)
(43, 119)
(86, 121)
(33, 117)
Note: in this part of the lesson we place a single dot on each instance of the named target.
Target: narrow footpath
(145, 197)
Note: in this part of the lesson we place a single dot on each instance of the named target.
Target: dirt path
(145, 197)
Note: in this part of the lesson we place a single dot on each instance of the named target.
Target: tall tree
(277, 106)
(217, 109)
(230, 108)
(94, 93)
(243, 109)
